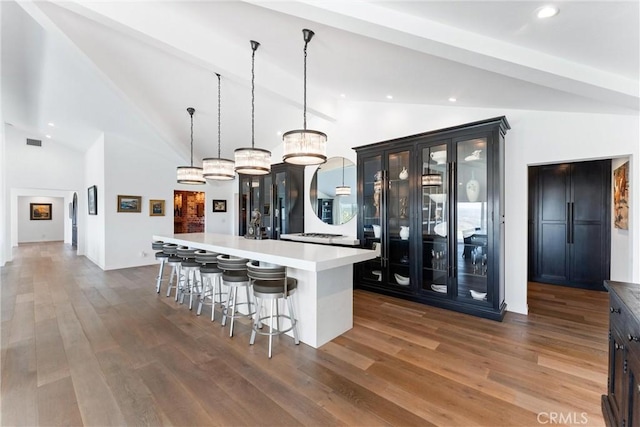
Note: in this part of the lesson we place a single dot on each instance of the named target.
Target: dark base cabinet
(432, 206)
(621, 404)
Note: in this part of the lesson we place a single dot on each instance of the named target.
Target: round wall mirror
(333, 191)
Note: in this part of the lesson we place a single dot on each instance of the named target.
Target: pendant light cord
(306, 42)
(191, 114)
(218, 114)
(254, 46)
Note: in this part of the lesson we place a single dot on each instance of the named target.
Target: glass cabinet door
(435, 214)
(471, 219)
(372, 216)
(397, 255)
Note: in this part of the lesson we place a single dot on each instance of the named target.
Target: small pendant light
(190, 174)
(303, 146)
(218, 168)
(343, 190)
(253, 161)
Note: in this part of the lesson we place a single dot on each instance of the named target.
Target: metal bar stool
(235, 276)
(189, 269)
(174, 262)
(162, 257)
(272, 283)
(211, 277)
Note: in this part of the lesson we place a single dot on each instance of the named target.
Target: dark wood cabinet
(570, 223)
(432, 205)
(621, 404)
(325, 210)
(278, 196)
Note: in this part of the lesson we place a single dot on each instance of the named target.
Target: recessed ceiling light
(342, 95)
(51, 124)
(48, 136)
(389, 96)
(279, 132)
(452, 99)
(547, 12)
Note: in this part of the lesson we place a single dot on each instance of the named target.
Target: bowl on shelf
(478, 295)
(401, 279)
(440, 157)
(439, 288)
(378, 274)
(438, 197)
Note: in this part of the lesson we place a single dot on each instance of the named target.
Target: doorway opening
(188, 211)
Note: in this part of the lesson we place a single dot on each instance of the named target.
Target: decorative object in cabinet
(441, 222)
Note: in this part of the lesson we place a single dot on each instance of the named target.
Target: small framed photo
(156, 207)
(92, 198)
(40, 211)
(219, 205)
(129, 203)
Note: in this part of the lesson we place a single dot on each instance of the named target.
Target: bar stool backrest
(157, 245)
(170, 248)
(185, 252)
(256, 272)
(204, 257)
(227, 263)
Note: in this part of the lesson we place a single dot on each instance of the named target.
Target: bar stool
(272, 283)
(162, 257)
(189, 271)
(174, 262)
(235, 276)
(211, 277)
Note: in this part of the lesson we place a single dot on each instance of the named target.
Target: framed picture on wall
(156, 207)
(219, 205)
(40, 211)
(92, 199)
(129, 203)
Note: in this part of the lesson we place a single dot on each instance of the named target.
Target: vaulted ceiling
(132, 68)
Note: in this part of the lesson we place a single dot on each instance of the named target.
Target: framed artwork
(40, 211)
(129, 203)
(92, 199)
(219, 205)
(156, 207)
(621, 197)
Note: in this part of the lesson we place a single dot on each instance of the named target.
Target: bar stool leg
(160, 274)
(174, 272)
(271, 326)
(256, 321)
(233, 310)
(205, 286)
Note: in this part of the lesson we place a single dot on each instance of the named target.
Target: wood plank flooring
(80, 346)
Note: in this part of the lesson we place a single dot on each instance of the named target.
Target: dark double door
(569, 223)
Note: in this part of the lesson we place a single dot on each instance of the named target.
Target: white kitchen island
(324, 298)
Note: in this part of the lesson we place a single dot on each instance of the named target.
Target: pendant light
(303, 146)
(343, 190)
(190, 174)
(253, 161)
(218, 168)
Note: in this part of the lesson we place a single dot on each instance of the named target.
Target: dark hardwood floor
(81, 346)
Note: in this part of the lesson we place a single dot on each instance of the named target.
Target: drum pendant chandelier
(253, 161)
(302, 146)
(218, 168)
(190, 174)
(343, 190)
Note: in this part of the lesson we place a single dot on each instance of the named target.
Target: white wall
(621, 240)
(536, 137)
(93, 234)
(221, 222)
(41, 230)
(52, 170)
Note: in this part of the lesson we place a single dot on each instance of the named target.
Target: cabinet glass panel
(435, 211)
(372, 214)
(397, 214)
(266, 203)
(280, 219)
(471, 214)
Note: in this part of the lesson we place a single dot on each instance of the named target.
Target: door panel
(552, 251)
(586, 259)
(553, 193)
(587, 196)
